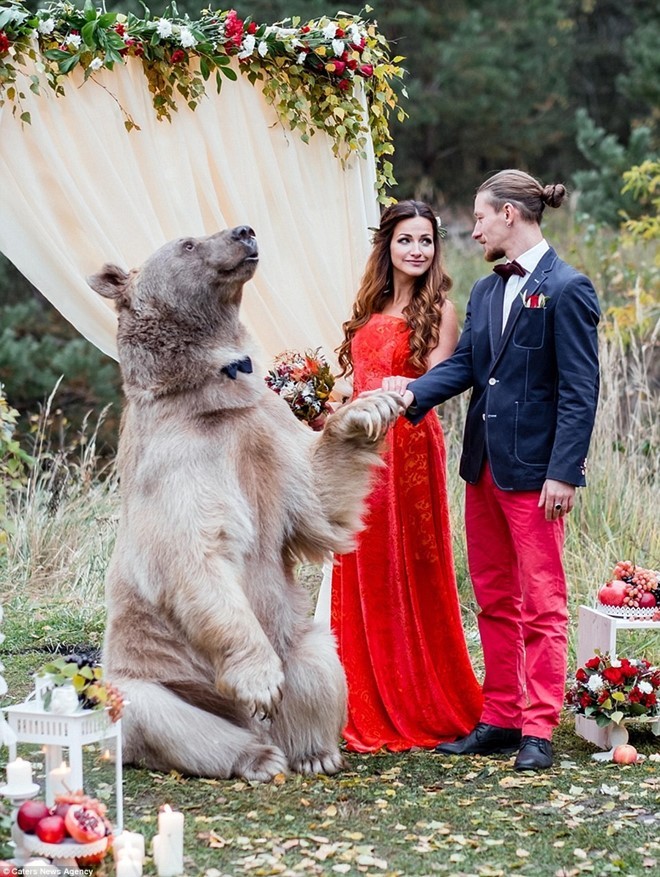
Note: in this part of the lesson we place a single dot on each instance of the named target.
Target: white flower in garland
(96, 64)
(263, 48)
(187, 39)
(330, 30)
(645, 687)
(164, 28)
(248, 47)
(354, 33)
(301, 58)
(74, 40)
(338, 47)
(46, 26)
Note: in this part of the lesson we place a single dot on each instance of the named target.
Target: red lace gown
(395, 609)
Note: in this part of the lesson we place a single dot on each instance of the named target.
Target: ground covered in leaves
(407, 814)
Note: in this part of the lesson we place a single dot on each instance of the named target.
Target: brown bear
(209, 635)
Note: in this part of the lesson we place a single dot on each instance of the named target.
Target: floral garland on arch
(308, 70)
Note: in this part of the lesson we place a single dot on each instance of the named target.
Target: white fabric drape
(79, 190)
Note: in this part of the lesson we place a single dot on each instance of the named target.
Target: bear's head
(178, 313)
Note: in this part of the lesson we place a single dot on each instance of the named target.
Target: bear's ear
(112, 282)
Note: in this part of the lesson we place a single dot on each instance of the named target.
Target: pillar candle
(129, 840)
(58, 782)
(168, 843)
(19, 775)
(127, 866)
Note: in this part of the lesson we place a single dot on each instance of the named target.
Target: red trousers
(515, 560)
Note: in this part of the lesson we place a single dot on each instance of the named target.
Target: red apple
(613, 593)
(61, 809)
(83, 824)
(647, 601)
(624, 754)
(29, 814)
(51, 830)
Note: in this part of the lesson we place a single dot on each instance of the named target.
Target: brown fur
(208, 633)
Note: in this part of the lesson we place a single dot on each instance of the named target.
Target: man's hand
(558, 497)
(399, 384)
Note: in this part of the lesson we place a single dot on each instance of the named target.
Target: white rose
(329, 31)
(74, 40)
(354, 33)
(96, 63)
(301, 58)
(645, 687)
(338, 47)
(263, 48)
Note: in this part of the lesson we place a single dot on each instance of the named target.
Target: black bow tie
(239, 365)
(508, 268)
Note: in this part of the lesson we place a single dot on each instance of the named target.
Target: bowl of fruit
(75, 827)
(632, 592)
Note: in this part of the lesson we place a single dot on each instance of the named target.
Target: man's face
(490, 228)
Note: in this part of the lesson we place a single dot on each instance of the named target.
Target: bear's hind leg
(308, 723)
(163, 732)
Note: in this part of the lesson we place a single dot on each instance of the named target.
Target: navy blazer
(534, 387)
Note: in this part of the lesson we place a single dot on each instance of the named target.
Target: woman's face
(412, 248)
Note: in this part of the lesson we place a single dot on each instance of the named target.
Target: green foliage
(14, 462)
(600, 195)
(643, 183)
(38, 350)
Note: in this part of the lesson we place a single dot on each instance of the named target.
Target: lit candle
(57, 783)
(168, 843)
(19, 775)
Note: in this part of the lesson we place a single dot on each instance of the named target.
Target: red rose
(344, 84)
(351, 64)
(177, 56)
(613, 675)
(593, 663)
(581, 675)
(252, 27)
(120, 29)
(585, 701)
(4, 42)
(366, 70)
(359, 47)
(339, 33)
(339, 66)
(651, 699)
(305, 29)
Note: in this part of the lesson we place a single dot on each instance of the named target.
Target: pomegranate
(29, 814)
(84, 824)
(613, 593)
(51, 830)
(647, 601)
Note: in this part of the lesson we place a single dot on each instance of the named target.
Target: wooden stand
(597, 630)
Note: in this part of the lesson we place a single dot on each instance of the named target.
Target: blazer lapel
(496, 306)
(536, 278)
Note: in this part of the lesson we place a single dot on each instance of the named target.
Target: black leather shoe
(535, 753)
(484, 740)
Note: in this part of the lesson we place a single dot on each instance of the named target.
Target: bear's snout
(247, 237)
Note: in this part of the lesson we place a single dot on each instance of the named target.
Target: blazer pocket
(529, 331)
(534, 432)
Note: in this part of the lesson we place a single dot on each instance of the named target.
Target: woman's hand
(396, 383)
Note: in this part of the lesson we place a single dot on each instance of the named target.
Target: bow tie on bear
(240, 365)
(508, 268)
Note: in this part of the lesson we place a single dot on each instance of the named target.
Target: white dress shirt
(528, 260)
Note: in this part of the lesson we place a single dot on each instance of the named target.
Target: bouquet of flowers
(612, 689)
(86, 676)
(305, 382)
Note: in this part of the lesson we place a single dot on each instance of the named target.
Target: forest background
(567, 89)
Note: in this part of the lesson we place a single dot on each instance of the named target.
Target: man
(529, 350)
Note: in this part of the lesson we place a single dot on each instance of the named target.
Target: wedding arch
(118, 133)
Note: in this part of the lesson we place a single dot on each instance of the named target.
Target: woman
(395, 607)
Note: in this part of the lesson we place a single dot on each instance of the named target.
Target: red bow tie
(508, 268)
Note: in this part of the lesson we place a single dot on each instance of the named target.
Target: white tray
(68, 849)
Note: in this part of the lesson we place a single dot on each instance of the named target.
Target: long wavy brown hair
(424, 313)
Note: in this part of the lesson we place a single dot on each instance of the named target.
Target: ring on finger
(558, 506)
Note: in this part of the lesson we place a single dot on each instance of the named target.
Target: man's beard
(493, 255)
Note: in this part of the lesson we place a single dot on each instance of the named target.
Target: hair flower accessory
(305, 382)
(613, 689)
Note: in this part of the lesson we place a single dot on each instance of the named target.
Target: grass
(415, 813)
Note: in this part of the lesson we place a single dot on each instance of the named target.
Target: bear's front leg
(252, 674)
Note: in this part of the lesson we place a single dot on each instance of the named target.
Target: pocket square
(536, 300)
